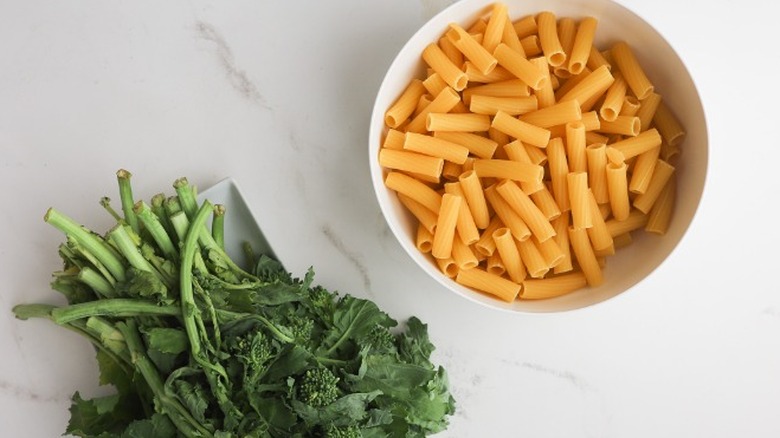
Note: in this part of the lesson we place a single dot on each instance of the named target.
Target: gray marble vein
(351, 256)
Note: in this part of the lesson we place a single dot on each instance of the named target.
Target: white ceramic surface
(666, 71)
(209, 89)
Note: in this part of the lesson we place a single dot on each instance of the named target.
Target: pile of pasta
(528, 155)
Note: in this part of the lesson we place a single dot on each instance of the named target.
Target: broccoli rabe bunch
(198, 346)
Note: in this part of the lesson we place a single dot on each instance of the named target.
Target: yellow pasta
(471, 49)
(508, 169)
(596, 60)
(442, 103)
(523, 131)
(663, 171)
(535, 264)
(414, 189)
(635, 220)
(548, 38)
(577, 183)
(545, 201)
(508, 88)
(591, 86)
(643, 169)
(559, 169)
(540, 289)
(405, 105)
(661, 214)
(526, 26)
(570, 83)
(494, 265)
(451, 171)
(550, 251)
(411, 162)
(623, 125)
(515, 151)
(536, 154)
(490, 105)
(475, 198)
(444, 233)
(586, 258)
(623, 150)
(667, 124)
(613, 100)
(599, 235)
(583, 42)
(465, 226)
(597, 171)
(561, 225)
(590, 120)
(499, 74)
(434, 84)
(476, 144)
(485, 245)
(508, 216)
(457, 122)
(528, 211)
(448, 267)
(592, 137)
(558, 114)
(494, 32)
(394, 139)
(617, 186)
(424, 241)
(545, 95)
(462, 254)
(531, 46)
(492, 284)
(631, 107)
(510, 255)
(622, 240)
(575, 147)
(510, 37)
(441, 64)
(567, 29)
(648, 107)
(668, 152)
(519, 66)
(451, 51)
(424, 215)
(635, 77)
(435, 147)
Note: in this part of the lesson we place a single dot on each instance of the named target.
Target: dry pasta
(524, 159)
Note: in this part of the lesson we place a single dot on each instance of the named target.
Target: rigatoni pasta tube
(577, 183)
(499, 74)
(434, 84)
(660, 216)
(592, 86)
(462, 254)
(394, 139)
(451, 171)
(561, 225)
(575, 147)
(435, 147)
(520, 202)
(411, 162)
(644, 166)
(596, 60)
(526, 26)
(586, 258)
(494, 265)
(471, 49)
(548, 38)
(475, 198)
(405, 105)
(597, 171)
(668, 126)
(444, 233)
(617, 186)
(523, 131)
(598, 234)
(476, 144)
(621, 151)
(557, 114)
(510, 255)
(442, 103)
(508, 169)
(545, 95)
(457, 122)
(623, 125)
(465, 227)
(540, 289)
(613, 100)
(508, 216)
(450, 50)
(508, 88)
(630, 108)
(494, 31)
(485, 245)
(495, 285)
(448, 267)
(510, 37)
(424, 240)
(663, 171)
(559, 169)
(441, 64)
(550, 251)
(635, 77)
(648, 107)
(414, 189)
(635, 220)
(534, 261)
(546, 203)
(514, 106)
(516, 64)
(425, 216)
(567, 29)
(531, 46)
(583, 42)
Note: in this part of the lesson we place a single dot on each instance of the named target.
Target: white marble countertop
(278, 95)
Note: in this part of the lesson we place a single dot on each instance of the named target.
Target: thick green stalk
(114, 307)
(158, 208)
(218, 225)
(97, 282)
(126, 195)
(153, 225)
(177, 413)
(186, 194)
(189, 308)
(88, 241)
(76, 249)
(181, 224)
(109, 336)
(127, 246)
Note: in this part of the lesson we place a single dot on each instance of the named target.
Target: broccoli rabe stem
(88, 241)
(156, 229)
(126, 195)
(115, 307)
(124, 242)
(186, 194)
(97, 282)
(218, 225)
(178, 414)
(105, 201)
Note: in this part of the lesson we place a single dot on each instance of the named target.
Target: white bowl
(671, 79)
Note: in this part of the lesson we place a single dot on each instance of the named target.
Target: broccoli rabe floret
(318, 387)
(253, 349)
(381, 340)
(332, 431)
(301, 327)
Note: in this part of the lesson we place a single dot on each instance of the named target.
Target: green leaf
(142, 284)
(345, 410)
(158, 426)
(96, 416)
(167, 340)
(353, 318)
(414, 346)
(194, 397)
(291, 361)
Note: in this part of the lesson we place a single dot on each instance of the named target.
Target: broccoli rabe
(332, 431)
(318, 387)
